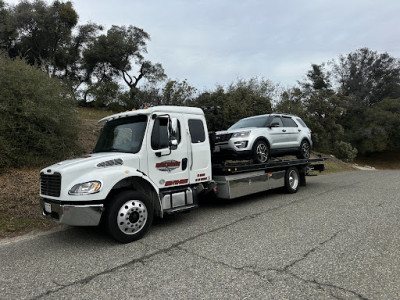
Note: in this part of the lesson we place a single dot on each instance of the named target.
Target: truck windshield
(250, 122)
(122, 135)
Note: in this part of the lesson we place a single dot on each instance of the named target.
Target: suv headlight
(241, 134)
(85, 188)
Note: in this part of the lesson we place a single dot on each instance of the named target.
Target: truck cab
(146, 162)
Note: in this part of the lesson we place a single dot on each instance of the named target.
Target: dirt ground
(384, 160)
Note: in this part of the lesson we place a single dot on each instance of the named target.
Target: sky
(216, 42)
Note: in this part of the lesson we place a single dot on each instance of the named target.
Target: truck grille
(222, 138)
(50, 185)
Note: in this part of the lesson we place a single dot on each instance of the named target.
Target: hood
(234, 130)
(90, 161)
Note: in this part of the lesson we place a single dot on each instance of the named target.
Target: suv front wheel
(305, 150)
(260, 152)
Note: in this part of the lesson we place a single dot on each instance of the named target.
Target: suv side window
(196, 129)
(277, 120)
(288, 122)
(301, 122)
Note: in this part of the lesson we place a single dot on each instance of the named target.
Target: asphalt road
(337, 238)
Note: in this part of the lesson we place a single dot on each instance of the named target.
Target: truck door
(167, 164)
(200, 154)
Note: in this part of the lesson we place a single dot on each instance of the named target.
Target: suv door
(276, 133)
(292, 132)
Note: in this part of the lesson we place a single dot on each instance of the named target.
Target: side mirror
(173, 132)
(275, 124)
(173, 144)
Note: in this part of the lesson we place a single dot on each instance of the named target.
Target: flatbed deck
(273, 165)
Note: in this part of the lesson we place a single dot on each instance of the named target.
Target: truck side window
(196, 129)
(159, 136)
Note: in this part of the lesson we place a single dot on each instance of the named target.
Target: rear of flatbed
(237, 180)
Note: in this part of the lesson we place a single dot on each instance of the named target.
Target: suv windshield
(250, 122)
(122, 135)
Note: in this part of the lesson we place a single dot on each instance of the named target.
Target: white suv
(263, 136)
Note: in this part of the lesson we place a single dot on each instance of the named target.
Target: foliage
(48, 36)
(43, 31)
(117, 53)
(37, 116)
(381, 128)
(368, 76)
(345, 106)
(177, 93)
(344, 151)
(238, 100)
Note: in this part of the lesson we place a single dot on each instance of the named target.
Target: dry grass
(334, 165)
(19, 209)
(19, 189)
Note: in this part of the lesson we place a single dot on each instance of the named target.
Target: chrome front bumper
(75, 215)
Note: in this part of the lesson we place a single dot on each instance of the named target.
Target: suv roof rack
(281, 113)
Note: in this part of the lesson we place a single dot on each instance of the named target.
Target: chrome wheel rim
(262, 153)
(293, 179)
(132, 217)
(305, 148)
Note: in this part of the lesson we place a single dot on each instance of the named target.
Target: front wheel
(260, 152)
(305, 150)
(129, 216)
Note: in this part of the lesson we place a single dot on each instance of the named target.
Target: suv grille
(50, 185)
(222, 138)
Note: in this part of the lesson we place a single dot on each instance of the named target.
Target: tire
(129, 216)
(260, 152)
(292, 180)
(305, 150)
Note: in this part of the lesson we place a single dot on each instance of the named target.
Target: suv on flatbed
(260, 137)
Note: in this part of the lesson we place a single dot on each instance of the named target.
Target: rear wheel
(292, 180)
(129, 216)
(305, 150)
(260, 152)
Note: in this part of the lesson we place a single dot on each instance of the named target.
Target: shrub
(38, 119)
(345, 151)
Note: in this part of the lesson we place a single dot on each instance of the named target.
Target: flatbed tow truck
(152, 162)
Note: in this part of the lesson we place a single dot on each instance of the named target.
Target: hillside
(19, 188)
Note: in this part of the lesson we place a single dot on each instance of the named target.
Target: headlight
(86, 188)
(241, 134)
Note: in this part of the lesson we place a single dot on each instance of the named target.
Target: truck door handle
(299, 130)
(184, 164)
(283, 130)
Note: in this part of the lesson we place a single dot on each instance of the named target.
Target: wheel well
(140, 185)
(306, 139)
(262, 139)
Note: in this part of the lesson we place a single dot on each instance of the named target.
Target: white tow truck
(151, 162)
